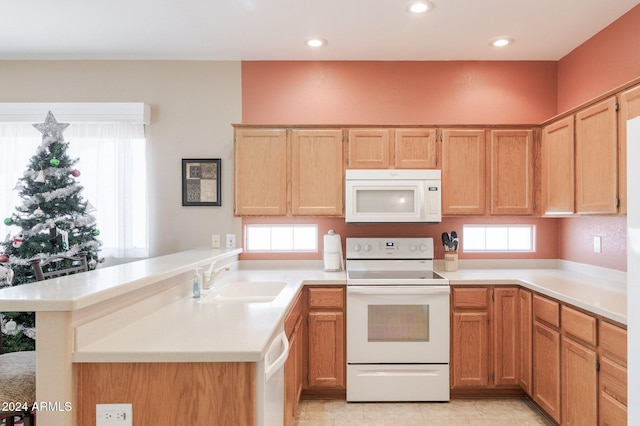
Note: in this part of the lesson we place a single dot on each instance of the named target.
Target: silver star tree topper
(51, 130)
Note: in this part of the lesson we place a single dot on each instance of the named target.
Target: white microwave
(393, 196)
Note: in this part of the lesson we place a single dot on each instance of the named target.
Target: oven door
(397, 324)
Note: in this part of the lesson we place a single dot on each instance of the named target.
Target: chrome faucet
(211, 274)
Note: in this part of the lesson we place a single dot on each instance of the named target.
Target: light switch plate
(231, 240)
(597, 244)
(215, 240)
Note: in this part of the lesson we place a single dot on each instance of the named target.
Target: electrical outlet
(215, 240)
(114, 415)
(597, 244)
(231, 240)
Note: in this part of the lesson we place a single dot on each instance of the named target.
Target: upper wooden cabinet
(369, 148)
(629, 108)
(558, 167)
(260, 172)
(399, 148)
(415, 149)
(463, 172)
(280, 172)
(597, 159)
(511, 172)
(317, 178)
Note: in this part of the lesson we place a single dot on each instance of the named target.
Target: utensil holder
(451, 261)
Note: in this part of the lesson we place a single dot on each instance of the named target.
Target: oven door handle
(398, 290)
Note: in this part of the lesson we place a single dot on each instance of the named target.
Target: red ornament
(75, 173)
(4, 258)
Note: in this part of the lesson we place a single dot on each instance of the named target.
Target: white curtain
(112, 162)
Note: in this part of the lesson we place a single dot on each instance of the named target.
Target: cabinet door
(629, 108)
(260, 172)
(579, 384)
(612, 394)
(463, 172)
(326, 350)
(316, 172)
(525, 324)
(558, 182)
(415, 149)
(511, 172)
(470, 357)
(597, 159)
(369, 149)
(546, 369)
(505, 337)
(290, 385)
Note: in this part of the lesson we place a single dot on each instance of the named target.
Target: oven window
(398, 323)
(385, 200)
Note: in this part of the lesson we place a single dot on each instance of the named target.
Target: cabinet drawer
(546, 310)
(613, 343)
(579, 325)
(326, 298)
(470, 298)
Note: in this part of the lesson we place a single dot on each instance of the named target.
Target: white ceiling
(276, 29)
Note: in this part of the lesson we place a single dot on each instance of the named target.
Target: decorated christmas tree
(53, 217)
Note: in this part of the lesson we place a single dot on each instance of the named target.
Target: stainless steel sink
(245, 292)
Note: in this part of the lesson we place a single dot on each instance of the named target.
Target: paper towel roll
(332, 254)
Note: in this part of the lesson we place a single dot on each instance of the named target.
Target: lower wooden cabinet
(525, 331)
(470, 363)
(294, 366)
(612, 389)
(326, 339)
(546, 355)
(579, 384)
(485, 347)
(546, 369)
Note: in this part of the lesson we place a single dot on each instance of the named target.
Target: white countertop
(596, 294)
(188, 330)
(74, 292)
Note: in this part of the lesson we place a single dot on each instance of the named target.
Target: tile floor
(460, 412)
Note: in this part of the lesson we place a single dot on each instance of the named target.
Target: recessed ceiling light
(501, 41)
(316, 42)
(420, 6)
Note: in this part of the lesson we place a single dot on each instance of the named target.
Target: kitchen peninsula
(142, 313)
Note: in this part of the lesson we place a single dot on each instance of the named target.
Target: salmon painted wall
(575, 238)
(456, 92)
(609, 59)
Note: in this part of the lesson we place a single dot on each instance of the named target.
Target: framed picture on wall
(201, 182)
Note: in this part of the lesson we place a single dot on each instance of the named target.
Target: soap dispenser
(197, 283)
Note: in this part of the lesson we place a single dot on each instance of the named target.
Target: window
(498, 238)
(281, 238)
(112, 163)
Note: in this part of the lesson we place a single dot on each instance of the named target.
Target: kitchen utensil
(445, 240)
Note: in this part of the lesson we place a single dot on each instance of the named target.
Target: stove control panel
(389, 248)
